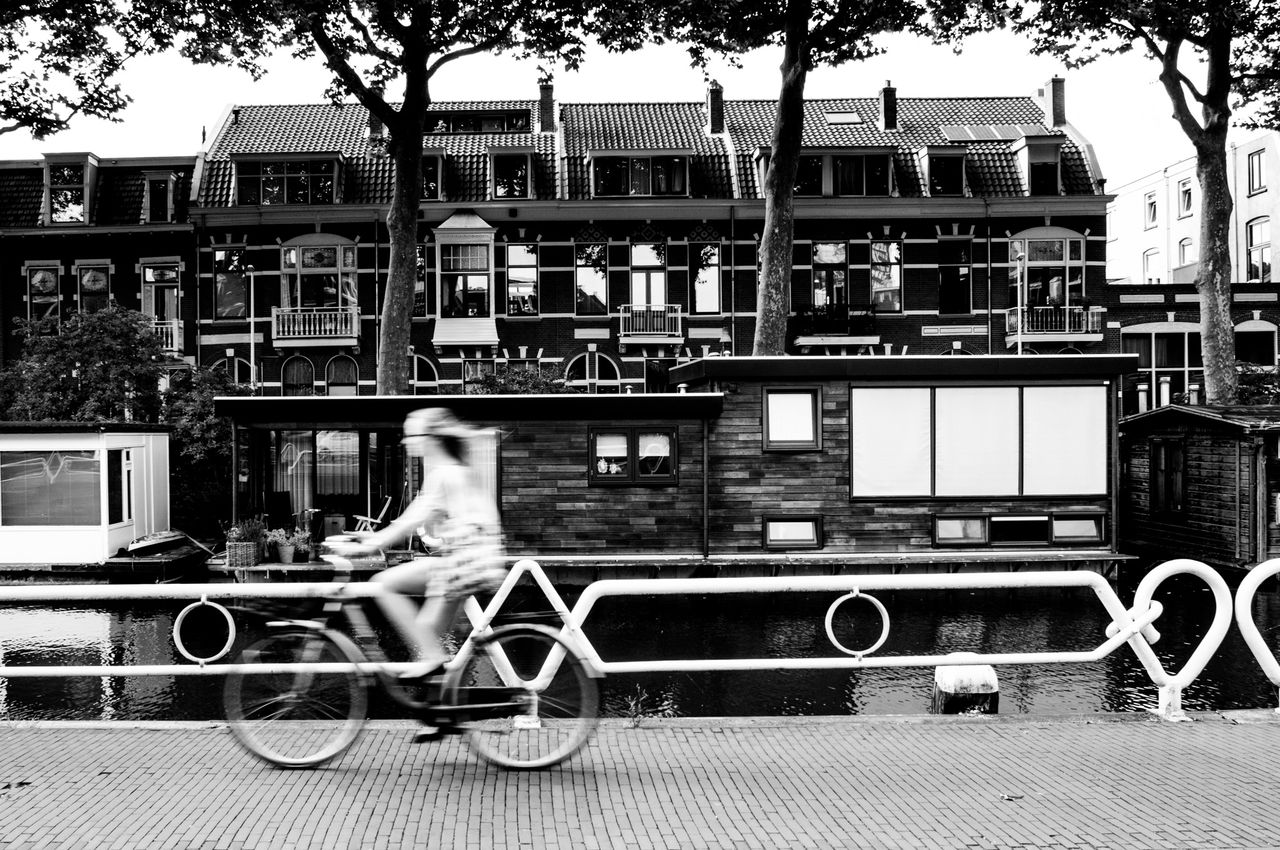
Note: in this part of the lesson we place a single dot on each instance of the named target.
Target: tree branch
(1172, 79)
(350, 78)
(369, 43)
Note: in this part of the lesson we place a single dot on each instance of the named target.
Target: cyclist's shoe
(434, 732)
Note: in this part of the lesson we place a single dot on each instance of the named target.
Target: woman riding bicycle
(458, 514)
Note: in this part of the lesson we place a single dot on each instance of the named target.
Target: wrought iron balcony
(654, 321)
(296, 326)
(170, 333)
(1053, 321)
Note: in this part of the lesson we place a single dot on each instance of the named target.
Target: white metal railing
(170, 333)
(651, 320)
(1244, 619)
(1132, 625)
(1054, 320)
(314, 322)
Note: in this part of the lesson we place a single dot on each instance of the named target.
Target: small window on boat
(1077, 529)
(959, 530)
(1020, 530)
(793, 532)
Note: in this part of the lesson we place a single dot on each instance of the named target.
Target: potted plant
(301, 542)
(282, 539)
(244, 542)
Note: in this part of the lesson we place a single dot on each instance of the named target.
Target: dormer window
(158, 204)
(66, 193)
(280, 182)
(1040, 157)
(516, 121)
(943, 171)
(510, 175)
(841, 175)
(640, 175)
(432, 173)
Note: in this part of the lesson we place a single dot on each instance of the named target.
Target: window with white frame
(237, 369)
(424, 273)
(591, 279)
(788, 531)
(230, 284)
(792, 418)
(1149, 210)
(704, 274)
(830, 274)
(522, 280)
(286, 182)
(1257, 172)
(426, 381)
(66, 193)
(1184, 197)
(1258, 250)
(511, 174)
(94, 287)
(1151, 271)
(1052, 271)
(1186, 251)
(159, 199)
(593, 372)
(160, 292)
(946, 174)
(318, 276)
(119, 486)
(648, 274)
(43, 299)
(955, 278)
(464, 280)
(1172, 354)
(474, 371)
(843, 175)
(664, 175)
(58, 487)
(431, 177)
(342, 376)
(886, 276)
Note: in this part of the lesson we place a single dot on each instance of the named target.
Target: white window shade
(791, 417)
(890, 434)
(1065, 443)
(977, 441)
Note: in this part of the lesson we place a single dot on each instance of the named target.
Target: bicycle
(521, 694)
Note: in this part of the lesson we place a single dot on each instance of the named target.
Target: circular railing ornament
(884, 619)
(182, 616)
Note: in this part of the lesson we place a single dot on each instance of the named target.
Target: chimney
(888, 107)
(715, 107)
(1053, 99)
(546, 108)
(376, 127)
(235, 116)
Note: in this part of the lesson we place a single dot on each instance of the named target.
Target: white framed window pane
(977, 441)
(1087, 528)
(961, 530)
(790, 417)
(1065, 440)
(791, 531)
(891, 432)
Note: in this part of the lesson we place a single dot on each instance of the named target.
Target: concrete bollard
(965, 689)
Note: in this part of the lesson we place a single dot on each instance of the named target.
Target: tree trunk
(774, 286)
(1213, 277)
(402, 229)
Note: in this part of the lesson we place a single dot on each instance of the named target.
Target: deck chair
(368, 523)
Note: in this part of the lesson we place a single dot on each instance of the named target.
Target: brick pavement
(926, 782)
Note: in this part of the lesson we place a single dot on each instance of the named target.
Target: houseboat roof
(82, 428)
(1245, 417)
(366, 412)
(995, 366)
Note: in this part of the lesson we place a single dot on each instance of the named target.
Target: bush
(540, 381)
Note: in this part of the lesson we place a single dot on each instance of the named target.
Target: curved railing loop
(1249, 628)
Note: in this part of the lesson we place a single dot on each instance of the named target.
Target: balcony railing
(653, 320)
(170, 333)
(311, 323)
(1054, 320)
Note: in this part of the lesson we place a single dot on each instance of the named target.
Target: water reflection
(769, 626)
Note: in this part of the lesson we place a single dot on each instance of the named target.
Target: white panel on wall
(1065, 442)
(976, 439)
(890, 433)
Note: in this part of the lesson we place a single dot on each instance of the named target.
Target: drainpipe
(253, 335)
(706, 475)
(733, 281)
(986, 216)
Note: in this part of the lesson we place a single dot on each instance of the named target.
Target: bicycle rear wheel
(297, 718)
(525, 697)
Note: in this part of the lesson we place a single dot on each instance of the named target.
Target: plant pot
(285, 551)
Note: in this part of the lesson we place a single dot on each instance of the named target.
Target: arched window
(426, 381)
(237, 367)
(1186, 253)
(342, 376)
(1257, 242)
(1151, 266)
(297, 377)
(593, 372)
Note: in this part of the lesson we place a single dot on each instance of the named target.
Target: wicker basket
(242, 554)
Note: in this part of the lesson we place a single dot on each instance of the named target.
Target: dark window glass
(115, 486)
(848, 177)
(946, 175)
(1019, 530)
(158, 200)
(511, 176)
(230, 285)
(1167, 474)
(809, 176)
(612, 175)
(431, 178)
(1043, 179)
(877, 175)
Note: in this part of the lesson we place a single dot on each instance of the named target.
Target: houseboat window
(231, 289)
(1168, 468)
(292, 461)
(886, 277)
(977, 440)
(792, 419)
(959, 530)
(891, 441)
(632, 456)
(1077, 529)
(337, 463)
(704, 271)
(522, 280)
(793, 532)
(1019, 530)
(591, 270)
(50, 488)
(1061, 452)
(119, 486)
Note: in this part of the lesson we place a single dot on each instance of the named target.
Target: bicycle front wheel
(525, 697)
(297, 718)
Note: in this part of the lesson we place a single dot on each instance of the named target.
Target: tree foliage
(377, 46)
(810, 33)
(1235, 43)
(60, 58)
(103, 366)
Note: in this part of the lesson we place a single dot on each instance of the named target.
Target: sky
(1117, 103)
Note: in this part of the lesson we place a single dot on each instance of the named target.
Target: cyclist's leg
(434, 621)
(404, 580)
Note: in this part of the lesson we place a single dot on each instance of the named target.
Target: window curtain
(293, 464)
(50, 488)
(891, 437)
(1064, 440)
(977, 439)
(337, 463)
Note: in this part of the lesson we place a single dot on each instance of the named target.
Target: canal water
(721, 626)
